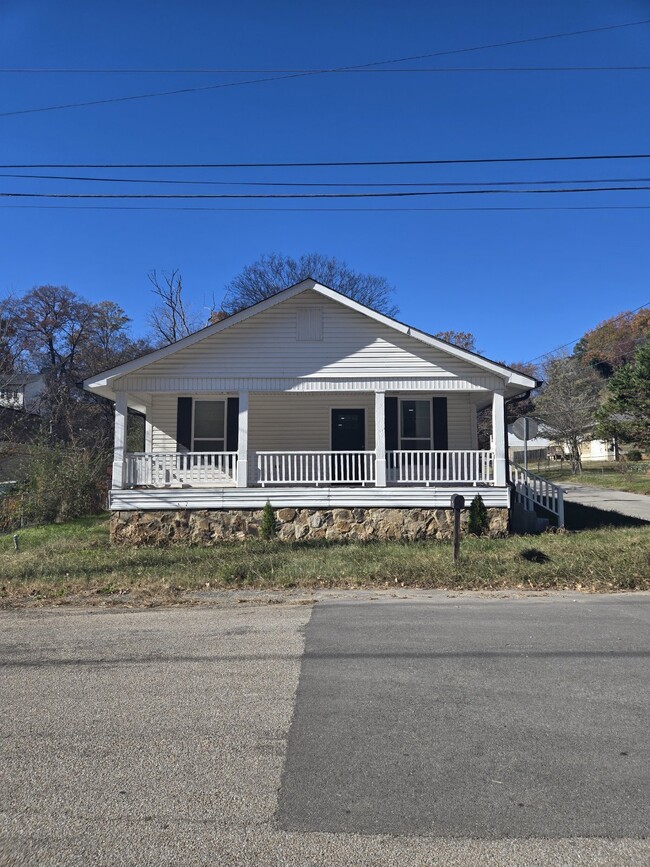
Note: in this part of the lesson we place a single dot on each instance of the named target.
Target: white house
(22, 391)
(350, 423)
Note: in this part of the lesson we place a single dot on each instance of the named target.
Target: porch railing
(532, 490)
(316, 468)
(160, 469)
(438, 467)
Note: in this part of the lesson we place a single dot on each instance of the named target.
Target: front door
(348, 435)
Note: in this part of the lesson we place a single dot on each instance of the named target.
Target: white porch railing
(438, 467)
(315, 468)
(532, 490)
(160, 469)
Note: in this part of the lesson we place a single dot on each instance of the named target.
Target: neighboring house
(22, 391)
(20, 406)
(350, 423)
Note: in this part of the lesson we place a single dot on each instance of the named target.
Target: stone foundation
(211, 526)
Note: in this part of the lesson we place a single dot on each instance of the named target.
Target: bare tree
(171, 319)
(273, 272)
(567, 405)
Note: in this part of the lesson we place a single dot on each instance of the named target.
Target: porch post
(242, 442)
(499, 438)
(380, 439)
(119, 447)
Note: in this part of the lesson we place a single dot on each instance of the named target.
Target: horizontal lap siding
(301, 422)
(459, 422)
(286, 422)
(266, 345)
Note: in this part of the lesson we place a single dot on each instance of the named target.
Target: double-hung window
(209, 426)
(415, 425)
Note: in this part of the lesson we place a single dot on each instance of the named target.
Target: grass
(636, 481)
(75, 560)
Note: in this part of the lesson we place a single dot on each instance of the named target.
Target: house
(351, 424)
(22, 391)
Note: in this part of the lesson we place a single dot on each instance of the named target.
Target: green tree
(625, 414)
(478, 520)
(274, 271)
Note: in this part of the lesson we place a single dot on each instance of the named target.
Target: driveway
(378, 730)
(632, 505)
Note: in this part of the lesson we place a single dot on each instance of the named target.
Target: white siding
(352, 345)
(302, 421)
(286, 422)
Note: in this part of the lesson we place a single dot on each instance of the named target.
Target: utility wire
(329, 71)
(332, 209)
(385, 195)
(323, 183)
(334, 164)
(571, 342)
(322, 72)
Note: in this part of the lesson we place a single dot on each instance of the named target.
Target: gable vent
(309, 324)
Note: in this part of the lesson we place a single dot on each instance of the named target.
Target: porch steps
(526, 521)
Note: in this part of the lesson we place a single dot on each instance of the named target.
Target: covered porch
(341, 445)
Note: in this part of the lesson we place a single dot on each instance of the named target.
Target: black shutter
(184, 424)
(232, 425)
(440, 435)
(392, 424)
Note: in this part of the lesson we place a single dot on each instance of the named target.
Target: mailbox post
(457, 503)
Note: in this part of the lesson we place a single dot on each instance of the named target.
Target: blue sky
(524, 281)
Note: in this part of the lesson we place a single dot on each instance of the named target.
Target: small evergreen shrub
(634, 455)
(478, 520)
(267, 527)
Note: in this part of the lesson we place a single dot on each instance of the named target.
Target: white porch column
(242, 447)
(148, 435)
(119, 447)
(499, 438)
(380, 439)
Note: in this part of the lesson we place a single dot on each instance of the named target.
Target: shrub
(634, 455)
(478, 521)
(64, 483)
(267, 527)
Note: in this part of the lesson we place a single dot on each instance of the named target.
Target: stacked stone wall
(212, 526)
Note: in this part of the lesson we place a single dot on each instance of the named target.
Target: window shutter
(232, 425)
(392, 424)
(184, 424)
(440, 434)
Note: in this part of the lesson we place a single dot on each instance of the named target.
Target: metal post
(457, 503)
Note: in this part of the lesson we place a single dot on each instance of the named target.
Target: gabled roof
(100, 381)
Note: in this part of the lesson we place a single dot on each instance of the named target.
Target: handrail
(162, 469)
(533, 490)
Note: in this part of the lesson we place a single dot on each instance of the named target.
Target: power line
(332, 209)
(571, 342)
(283, 77)
(356, 195)
(333, 164)
(330, 71)
(322, 183)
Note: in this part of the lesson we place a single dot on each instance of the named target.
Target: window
(415, 424)
(209, 426)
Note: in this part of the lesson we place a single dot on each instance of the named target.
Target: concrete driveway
(632, 505)
(428, 729)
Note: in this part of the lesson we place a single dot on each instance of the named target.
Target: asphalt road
(216, 735)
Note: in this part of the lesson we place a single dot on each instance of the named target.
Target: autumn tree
(568, 403)
(273, 272)
(612, 343)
